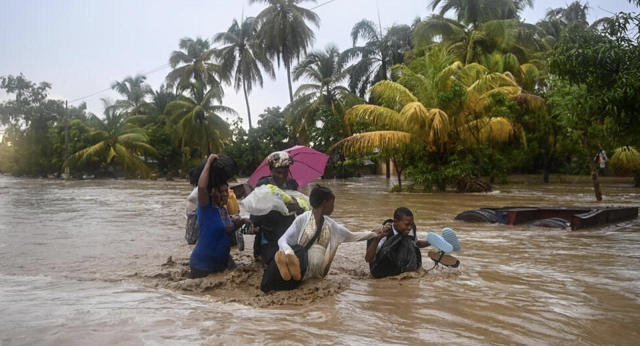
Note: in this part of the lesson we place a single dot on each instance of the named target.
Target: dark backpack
(398, 254)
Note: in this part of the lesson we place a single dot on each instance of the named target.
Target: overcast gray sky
(82, 46)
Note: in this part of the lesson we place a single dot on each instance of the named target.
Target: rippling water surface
(68, 251)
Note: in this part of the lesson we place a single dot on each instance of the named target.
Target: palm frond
(366, 143)
(83, 156)
(376, 115)
(625, 160)
(391, 94)
(488, 130)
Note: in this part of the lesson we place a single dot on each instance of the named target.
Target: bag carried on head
(191, 233)
(222, 169)
(398, 254)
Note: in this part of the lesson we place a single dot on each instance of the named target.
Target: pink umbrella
(308, 165)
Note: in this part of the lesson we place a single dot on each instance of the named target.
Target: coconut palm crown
(243, 56)
(194, 63)
(284, 31)
(197, 118)
(135, 91)
(325, 75)
(117, 142)
(373, 60)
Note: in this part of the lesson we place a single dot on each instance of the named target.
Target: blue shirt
(211, 252)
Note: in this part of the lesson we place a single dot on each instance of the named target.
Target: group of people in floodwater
(301, 242)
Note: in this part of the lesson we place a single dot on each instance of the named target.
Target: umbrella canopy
(308, 165)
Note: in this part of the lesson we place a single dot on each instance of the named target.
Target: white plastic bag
(262, 200)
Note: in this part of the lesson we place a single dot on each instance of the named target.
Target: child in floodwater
(316, 234)
(401, 238)
(211, 253)
(397, 250)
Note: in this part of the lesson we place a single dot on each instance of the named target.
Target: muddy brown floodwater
(105, 263)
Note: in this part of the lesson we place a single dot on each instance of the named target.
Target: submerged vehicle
(563, 218)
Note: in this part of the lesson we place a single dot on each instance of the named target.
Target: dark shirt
(274, 224)
(289, 183)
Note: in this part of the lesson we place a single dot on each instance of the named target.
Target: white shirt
(339, 235)
(415, 237)
(192, 201)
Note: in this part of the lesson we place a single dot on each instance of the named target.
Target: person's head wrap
(279, 159)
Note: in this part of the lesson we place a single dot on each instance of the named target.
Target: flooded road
(86, 263)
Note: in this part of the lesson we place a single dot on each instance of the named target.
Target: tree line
(470, 92)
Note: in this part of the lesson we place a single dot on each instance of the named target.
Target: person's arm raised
(203, 181)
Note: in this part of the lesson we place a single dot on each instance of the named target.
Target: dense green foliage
(469, 92)
(250, 148)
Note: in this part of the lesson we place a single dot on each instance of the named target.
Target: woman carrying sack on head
(309, 245)
(271, 227)
(211, 253)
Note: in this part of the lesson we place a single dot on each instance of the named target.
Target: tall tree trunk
(388, 168)
(594, 170)
(206, 136)
(441, 159)
(246, 100)
(549, 153)
(289, 81)
(478, 164)
(546, 162)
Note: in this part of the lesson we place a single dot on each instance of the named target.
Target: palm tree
(528, 75)
(576, 12)
(557, 19)
(626, 160)
(243, 56)
(377, 55)
(153, 111)
(482, 28)
(197, 119)
(135, 90)
(284, 31)
(194, 62)
(325, 75)
(472, 13)
(473, 45)
(117, 142)
(413, 108)
(160, 99)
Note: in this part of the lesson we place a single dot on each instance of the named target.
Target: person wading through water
(308, 247)
(270, 227)
(211, 253)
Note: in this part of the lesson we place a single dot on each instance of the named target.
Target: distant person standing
(601, 159)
